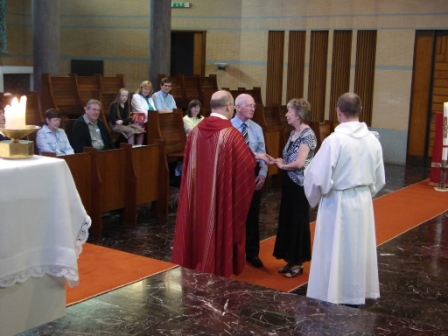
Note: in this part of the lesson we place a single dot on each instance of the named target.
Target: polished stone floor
(413, 276)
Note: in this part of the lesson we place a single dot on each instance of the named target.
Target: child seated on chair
(121, 121)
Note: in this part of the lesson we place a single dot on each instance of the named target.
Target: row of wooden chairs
(186, 88)
(70, 94)
(120, 179)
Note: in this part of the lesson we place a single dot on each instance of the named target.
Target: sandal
(285, 269)
(294, 271)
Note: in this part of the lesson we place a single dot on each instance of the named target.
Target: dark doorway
(182, 53)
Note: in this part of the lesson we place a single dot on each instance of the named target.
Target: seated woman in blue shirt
(51, 138)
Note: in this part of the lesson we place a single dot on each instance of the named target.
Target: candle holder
(16, 148)
(442, 186)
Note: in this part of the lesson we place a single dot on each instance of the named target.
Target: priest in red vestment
(215, 194)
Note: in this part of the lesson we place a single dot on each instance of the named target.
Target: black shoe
(255, 261)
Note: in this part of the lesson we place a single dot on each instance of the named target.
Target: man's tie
(245, 133)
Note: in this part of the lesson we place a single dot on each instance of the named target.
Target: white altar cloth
(43, 223)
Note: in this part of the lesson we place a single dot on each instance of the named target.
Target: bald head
(222, 103)
(245, 107)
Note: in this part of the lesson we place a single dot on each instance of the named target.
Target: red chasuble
(215, 194)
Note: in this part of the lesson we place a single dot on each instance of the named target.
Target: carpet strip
(103, 269)
(395, 213)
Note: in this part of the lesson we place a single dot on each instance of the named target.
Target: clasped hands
(270, 160)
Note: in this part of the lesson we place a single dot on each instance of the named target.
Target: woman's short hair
(52, 113)
(301, 108)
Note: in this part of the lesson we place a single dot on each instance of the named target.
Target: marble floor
(413, 276)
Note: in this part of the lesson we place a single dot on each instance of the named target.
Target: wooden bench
(321, 130)
(87, 87)
(170, 128)
(209, 85)
(61, 93)
(108, 87)
(80, 166)
(120, 179)
(114, 187)
(272, 138)
(274, 122)
(151, 170)
(193, 88)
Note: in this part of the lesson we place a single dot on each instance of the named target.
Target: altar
(43, 225)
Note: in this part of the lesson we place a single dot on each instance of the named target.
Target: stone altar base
(35, 302)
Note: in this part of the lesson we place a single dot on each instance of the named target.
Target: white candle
(15, 114)
(445, 132)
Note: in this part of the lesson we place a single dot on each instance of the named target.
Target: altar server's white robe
(345, 173)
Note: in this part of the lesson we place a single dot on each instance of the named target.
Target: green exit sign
(180, 5)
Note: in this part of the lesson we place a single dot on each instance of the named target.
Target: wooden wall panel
(296, 65)
(318, 74)
(420, 97)
(365, 71)
(439, 85)
(274, 80)
(340, 71)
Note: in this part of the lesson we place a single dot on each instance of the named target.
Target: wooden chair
(282, 110)
(193, 88)
(87, 87)
(151, 170)
(170, 128)
(66, 125)
(321, 130)
(272, 138)
(178, 91)
(60, 93)
(114, 186)
(109, 87)
(274, 122)
(255, 92)
(34, 114)
(209, 85)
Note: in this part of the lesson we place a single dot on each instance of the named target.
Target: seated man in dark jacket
(89, 131)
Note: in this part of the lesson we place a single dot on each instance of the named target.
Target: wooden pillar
(159, 40)
(46, 37)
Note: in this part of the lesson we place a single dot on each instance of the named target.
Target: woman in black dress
(293, 243)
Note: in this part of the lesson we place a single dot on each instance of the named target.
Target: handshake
(269, 159)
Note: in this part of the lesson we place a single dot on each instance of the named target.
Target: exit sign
(180, 5)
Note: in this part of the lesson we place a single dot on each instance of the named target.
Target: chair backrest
(88, 87)
(321, 130)
(61, 93)
(209, 85)
(178, 91)
(66, 125)
(255, 92)
(109, 87)
(152, 173)
(193, 88)
(170, 128)
(259, 117)
(272, 117)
